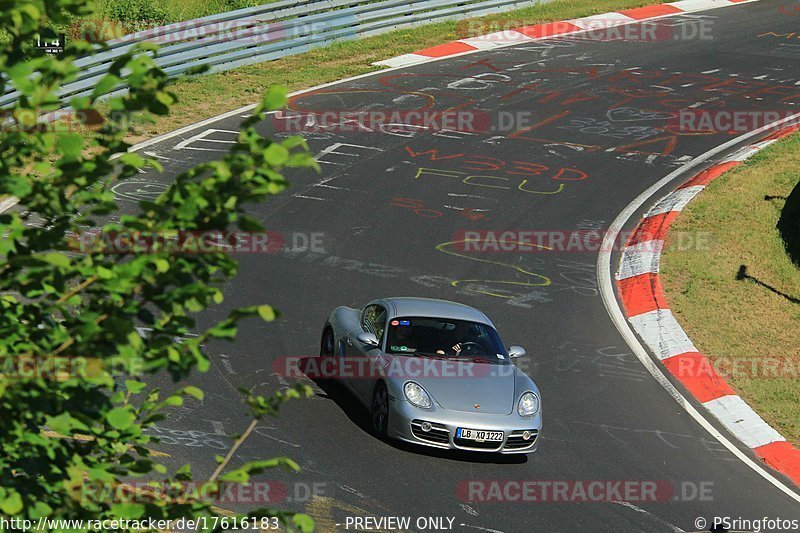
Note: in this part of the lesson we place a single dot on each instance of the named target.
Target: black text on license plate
(479, 435)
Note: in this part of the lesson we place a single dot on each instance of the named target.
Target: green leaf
(194, 392)
(69, 145)
(103, 272)
(63, 424)
(105, 85)
(130, 511)
(40, 509)
(134, 387)
(276, 154)
(275, 97)
(12, 503)
(56, 259)
(266, 312)
(162, 265)
(133, 159)
(120, 418)
(18, 186)
(80, 102)
(303, 522)
(173, 401)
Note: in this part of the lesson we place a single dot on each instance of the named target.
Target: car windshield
(445, 337)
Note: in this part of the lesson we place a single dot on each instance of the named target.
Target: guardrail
(268, 32)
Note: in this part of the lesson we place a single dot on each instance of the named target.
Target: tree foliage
(74, 422)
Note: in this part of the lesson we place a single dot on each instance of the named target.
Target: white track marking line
(673, 527)
(605, 283)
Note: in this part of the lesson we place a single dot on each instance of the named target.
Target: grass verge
(739, 298)
(207, 96)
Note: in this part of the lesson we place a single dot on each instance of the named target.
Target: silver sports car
(433, 372)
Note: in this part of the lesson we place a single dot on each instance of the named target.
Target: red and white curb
(556, 29)
(647, 310)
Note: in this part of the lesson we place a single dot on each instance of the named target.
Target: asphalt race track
(388, 207)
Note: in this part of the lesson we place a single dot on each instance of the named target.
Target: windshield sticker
(403, 349)
(395, 322)
(405, 322)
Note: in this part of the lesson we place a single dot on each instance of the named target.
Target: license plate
(479, 435)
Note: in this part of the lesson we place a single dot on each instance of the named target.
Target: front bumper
(406, 422)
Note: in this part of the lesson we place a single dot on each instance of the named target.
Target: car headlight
(528, 404)
(416, 395)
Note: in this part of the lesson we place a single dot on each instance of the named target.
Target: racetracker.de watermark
(576, 241)
(389, 121)
(214, 492)
(196, 242)
(746, 367)
(731, 121)
(581, 491)
(602, 29)
(65, 367)
(359, 121)
(246, 30)
(401, 366)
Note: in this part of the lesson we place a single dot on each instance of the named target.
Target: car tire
(379, 410)
(326, 344)
(327, 348)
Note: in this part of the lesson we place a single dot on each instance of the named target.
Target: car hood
(461, 385)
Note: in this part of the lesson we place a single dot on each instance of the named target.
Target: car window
(373, 320)
(444, 337)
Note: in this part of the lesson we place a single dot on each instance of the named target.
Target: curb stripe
(710, 174)
(689, 6)
(674, 201)
(641, 294)
(662, 334)
(742, 421)
(648, 12)
(549, 29)
(493, 40)
(447, 49)
(653, 227)
(783, 457)
(601, 22)
(641, 258)
(697, 374)
(404, 60)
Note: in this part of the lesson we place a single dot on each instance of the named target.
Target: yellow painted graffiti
(542, 281)
(483, 180)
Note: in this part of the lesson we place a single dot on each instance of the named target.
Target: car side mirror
(368, 339)
(516, 351)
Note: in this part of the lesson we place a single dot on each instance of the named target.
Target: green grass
(739, 320)
(179, 10)
(207, 96)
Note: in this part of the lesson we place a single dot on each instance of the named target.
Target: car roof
(429, 307)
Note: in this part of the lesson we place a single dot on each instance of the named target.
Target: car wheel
(327, 347)
(326, 344)
(379, 413)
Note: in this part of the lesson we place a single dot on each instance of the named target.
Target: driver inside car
(464, 335)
